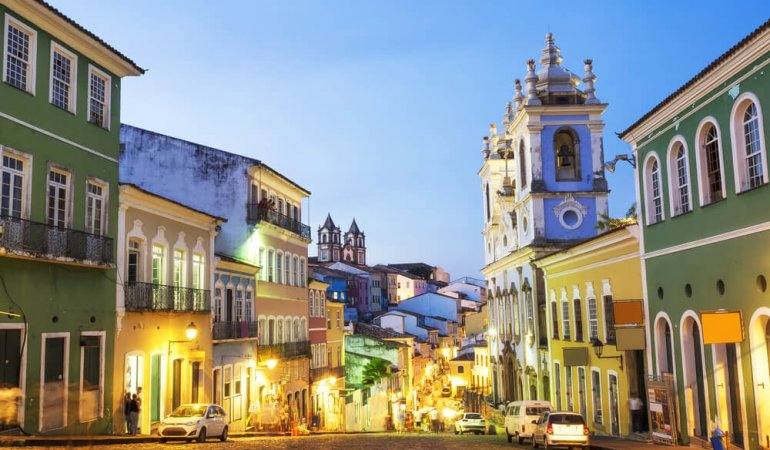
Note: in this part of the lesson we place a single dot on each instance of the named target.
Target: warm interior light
(191, 331)
(271, 363)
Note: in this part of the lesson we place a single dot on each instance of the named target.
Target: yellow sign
(721, 327)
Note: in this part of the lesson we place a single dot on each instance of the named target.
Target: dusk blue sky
(379, 107)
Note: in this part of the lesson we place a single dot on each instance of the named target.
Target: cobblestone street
(336, 442)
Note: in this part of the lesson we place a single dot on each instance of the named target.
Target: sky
(378, 107)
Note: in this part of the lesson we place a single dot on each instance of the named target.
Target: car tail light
(523, 428)
(549, 430)
(585, 429)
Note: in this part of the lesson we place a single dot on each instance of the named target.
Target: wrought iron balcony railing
(319, 373)
(24, 237)
(234, 330)
(160, 297)
(258, 213)
(284, 350)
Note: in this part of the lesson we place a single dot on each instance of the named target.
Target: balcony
(258, 213)
(160, 297)
(327, 372)
(38, 240)
(285, 350)
(234, 330)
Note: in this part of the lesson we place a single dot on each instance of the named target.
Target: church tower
(543, 188)
(355, 245)
(329, 244)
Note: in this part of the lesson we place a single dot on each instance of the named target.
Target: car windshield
(189, 411)
(537, 410)
(566, 419)
(473, 416)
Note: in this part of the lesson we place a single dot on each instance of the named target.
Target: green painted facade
(709, 258)
(66, 294)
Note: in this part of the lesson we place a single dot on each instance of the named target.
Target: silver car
(470, 422)
(560, 429)
(194, 421)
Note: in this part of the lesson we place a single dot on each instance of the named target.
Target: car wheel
(223, 438)
(457, 431)
(510, 438)
(202, 435)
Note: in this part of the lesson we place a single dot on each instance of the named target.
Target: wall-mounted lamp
(610, 166)
(599, 349)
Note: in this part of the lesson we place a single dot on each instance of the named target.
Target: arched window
(134, 261)
(324, 238)
(279, 332)
(522, 165)
(679, 178)
(565, 319)
(489, 211)
(748, 143)
(566, 153)
(709, 164)
(653, 191)
(593, 319)
(312, 303)
(287, 280)
(279, 268)
(578, 320)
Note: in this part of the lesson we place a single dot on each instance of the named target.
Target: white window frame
(270, 265)
(701, 161)
(182, 266)
(107, 96)
(102, 343)
(198, 271)
(248, 312)
(650, 213)
(219, 289)
(569, 391)
(162, 269)
(32, 63)
(566, 325)
(738, 141)
(66, 370)
(238, 300)
(73, 85)
(279, 267)
(674, 185)
(25, 173)
(67, 194)
(104, 186)
(557, 384)
(596, 391)
(593, 319)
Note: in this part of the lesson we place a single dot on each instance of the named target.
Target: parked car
(446, 391)
(519, 417)
(561, 429)
(194, 422)
(470, 422)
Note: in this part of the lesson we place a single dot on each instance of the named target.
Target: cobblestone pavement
(336, 442)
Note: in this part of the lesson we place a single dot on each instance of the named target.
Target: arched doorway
(663, 346)
(759, 335)
(695, 391)
(727, 380)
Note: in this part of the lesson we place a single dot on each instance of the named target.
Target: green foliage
(607, 223)
(374, 371)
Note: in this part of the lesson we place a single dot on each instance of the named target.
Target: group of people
(132, 406)
(428, 421)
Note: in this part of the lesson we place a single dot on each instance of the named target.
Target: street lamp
(610, 165)
(191, 331)
(599, 349)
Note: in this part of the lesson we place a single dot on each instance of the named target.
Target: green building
(59, 143)
(702, 189)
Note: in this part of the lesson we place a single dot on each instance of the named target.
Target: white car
(561, 429)
(519, 417)
(470, 422)
(194, 422)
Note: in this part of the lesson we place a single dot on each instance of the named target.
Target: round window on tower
(570, 218)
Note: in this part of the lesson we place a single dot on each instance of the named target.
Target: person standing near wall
(635, 405)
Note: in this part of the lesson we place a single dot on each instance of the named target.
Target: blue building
(543, 188)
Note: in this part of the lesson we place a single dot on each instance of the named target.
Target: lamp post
(598, 347)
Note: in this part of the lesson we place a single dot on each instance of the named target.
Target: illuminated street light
(191, 331)
(271, 363)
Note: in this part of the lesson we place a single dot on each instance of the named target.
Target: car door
(222, 418)
(212, 422)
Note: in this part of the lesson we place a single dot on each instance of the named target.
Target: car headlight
(191, 423)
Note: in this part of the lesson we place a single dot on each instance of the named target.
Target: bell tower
(329, 245)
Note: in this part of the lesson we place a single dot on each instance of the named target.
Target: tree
(607, 223)
(374, 371)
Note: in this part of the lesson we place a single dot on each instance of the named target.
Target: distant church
(332, 249)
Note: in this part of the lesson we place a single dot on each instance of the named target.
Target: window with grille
(12, 184)
(287, 280)
(239, 305)
(609, 319)
(656, 195)
(134, 258)
(98, 98)
(247, 308)
(593, 319)
(683, 180)
(754, 167)
(179, 280)
(198, 267)
(19, 56)
(63, 78)
(58, 199)
(158, 264)
(596, 388)
(94, 208)
(713, 167)
(565, 320)
(295, 272)
(218, 305)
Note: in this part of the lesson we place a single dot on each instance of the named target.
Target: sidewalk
(613, 443)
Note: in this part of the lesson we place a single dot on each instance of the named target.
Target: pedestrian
(400, 420)
(134, 408)
(434, 420)
(127, 411)
(635, 405)
(139, 417)
(418, 420)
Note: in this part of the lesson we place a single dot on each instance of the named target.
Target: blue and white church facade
(543, 189)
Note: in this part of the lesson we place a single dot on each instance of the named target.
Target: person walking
(135, 407)
(635, 405)
(127, 411)
(434, 420)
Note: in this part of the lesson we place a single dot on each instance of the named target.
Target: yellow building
(163, 339)
(584, 286)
